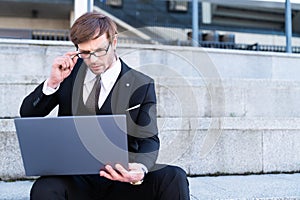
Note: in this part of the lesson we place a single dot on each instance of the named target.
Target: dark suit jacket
(132, 88)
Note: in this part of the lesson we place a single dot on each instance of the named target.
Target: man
(93, 80)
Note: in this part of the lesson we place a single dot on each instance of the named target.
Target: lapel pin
(127, 84)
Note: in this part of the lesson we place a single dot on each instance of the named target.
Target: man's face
(102, 48)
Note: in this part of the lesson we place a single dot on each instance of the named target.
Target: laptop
(71, 145)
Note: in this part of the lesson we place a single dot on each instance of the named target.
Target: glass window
(114, 3)
(177, 6)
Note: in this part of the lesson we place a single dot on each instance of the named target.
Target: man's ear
(115, 42)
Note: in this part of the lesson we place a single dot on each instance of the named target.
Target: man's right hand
(61, 68)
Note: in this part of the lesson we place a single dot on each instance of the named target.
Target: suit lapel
(78, 80)
(122, 90)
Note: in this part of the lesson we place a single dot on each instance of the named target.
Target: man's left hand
(134, 173)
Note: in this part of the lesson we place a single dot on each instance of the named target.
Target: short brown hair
(86, 26)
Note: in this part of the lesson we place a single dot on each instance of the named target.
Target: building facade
(166, 22)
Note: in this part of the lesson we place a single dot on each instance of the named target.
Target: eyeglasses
(97, 53)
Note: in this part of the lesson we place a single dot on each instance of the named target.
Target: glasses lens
(100, 53)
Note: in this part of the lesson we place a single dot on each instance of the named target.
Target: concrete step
(18, 190)
(244, 145)
(258, 187)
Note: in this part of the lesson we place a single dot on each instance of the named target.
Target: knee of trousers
(175, 174)
(179, 173)
(47, 186)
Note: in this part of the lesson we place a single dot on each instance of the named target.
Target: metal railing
(63, 35)
(249, 47)
(213, 44)
(59, 35)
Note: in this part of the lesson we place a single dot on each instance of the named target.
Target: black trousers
(162, 183)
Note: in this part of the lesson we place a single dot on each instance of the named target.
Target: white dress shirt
(108, 79)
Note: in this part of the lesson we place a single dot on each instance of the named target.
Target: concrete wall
(30, 23)
(219, 111)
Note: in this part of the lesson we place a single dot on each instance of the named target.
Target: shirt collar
(109, 76)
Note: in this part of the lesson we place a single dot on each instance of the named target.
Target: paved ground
(283, 187)
(264, 187)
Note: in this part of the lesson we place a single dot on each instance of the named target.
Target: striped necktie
(92, 100)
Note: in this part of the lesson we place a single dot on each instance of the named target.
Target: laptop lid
(71, 145)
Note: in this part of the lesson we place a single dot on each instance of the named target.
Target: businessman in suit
(94, 80)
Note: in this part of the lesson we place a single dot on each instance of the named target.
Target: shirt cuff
(144, 168)
(48, 90)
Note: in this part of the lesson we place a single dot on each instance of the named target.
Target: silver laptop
(71, 145)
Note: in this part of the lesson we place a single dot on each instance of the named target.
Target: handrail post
(288, 26)
(195, 30)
